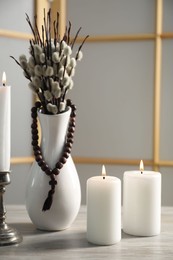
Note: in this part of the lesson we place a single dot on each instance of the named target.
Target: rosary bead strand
(38, 153)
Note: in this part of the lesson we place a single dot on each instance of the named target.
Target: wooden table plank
(72, 244)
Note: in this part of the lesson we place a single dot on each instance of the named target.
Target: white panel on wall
(166, 144)
(167, 191)
(114, 94)
(98, 17)
(12, 14)
(167, 16)
(21, 95)
(15, 192)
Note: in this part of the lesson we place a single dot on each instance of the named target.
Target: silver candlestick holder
(8, 235)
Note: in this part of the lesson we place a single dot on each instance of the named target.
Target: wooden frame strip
(157, 84)
(106, 161)
(15, 35)
(59, 6)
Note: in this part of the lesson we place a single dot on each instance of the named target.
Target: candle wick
(141, 172)
(104, 178)
(3, 84)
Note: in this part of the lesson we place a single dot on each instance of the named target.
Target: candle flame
(103, 171)
(3, 78)
(141, 167)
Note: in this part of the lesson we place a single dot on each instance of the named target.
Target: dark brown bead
(71, 129)
(36, 148)
(34, 143)
(34, 137)
(37, 152)
(68, 150)
(53, 182)
(34, 109)
(73, 114)
(38, 158)
(40, 163)
(73, 124)
(37, 104)
(69, 142)
(34, 126)
(56, 171)
(73, 107)
(72, 119)
(59, 165)
(44, 167)
(48, 172)
(63, 160)
(34, 115)
(70, 135)
(66, 155)
(34, 131)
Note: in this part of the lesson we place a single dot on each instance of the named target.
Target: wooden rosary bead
(34, 131)
(34, 115)
(73, 114)
(34, 143)
(38, 158)
(52, 182)
(40, 163)
(55, 171)
(59, 165)
(71, 129)
(65, 155)
(74, 108)
(34, 137)
(63, 160)
(67, 150)
(48, 172)
(70, 135)
(34, 125)
(44, 167)
(34, 109)
(69, 142)
(36, 148)
(37, 104)
(72, 124)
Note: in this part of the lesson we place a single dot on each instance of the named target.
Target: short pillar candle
(142, 202)
(104, 209)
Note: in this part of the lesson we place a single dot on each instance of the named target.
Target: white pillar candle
(142, 202)
(104, 209)
(5, 126)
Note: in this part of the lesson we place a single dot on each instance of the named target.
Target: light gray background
(113, 88)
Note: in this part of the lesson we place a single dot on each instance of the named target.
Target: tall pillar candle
(142, 202)
(5, 125)
(104, 209)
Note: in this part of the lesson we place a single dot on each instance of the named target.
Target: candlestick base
(8, 235)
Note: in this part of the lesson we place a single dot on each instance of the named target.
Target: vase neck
(53, 134)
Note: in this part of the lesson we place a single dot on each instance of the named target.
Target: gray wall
(113, 88)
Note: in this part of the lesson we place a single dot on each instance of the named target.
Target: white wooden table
(72, 244)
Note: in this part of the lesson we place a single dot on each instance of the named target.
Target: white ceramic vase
(67, 196)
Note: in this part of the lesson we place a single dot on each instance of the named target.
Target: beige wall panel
(98, 17)
(12, 14)
(167, 16)
(166, 144)
(114, 94)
